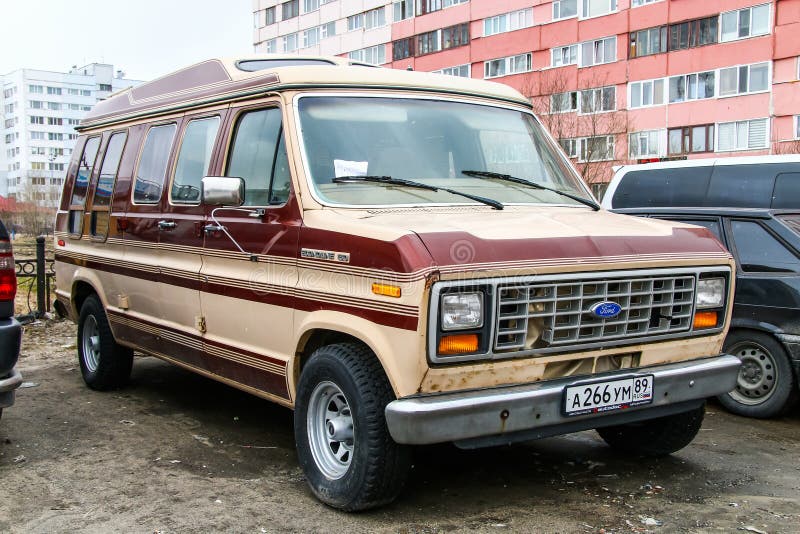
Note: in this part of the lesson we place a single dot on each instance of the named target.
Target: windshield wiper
(522, 181)
(388, 180)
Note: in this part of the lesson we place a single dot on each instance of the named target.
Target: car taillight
(8, 277)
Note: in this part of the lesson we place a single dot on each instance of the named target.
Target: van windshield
(432, 142)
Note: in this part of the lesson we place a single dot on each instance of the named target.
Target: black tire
(655, 437)
(766, 385)
(105, 365)
(377, 467)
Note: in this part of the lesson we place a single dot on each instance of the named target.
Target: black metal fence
(41, 272)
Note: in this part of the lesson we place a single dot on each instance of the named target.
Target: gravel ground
(175, 452)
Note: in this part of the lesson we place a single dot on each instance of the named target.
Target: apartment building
(616, 81)
(40, 110)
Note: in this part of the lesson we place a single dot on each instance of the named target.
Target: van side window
(152, 170)
(258, 156)
(193, 160)
(78, 200)
(747, 186)
(787, 190)
(105, 185)
(679, 187)
(759, 251)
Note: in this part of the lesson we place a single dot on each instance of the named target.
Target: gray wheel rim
(91, 343)
(329, 424)
(757, 376)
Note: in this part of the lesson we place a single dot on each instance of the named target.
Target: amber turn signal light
(706, 319)
(458, 344)
(387, 290)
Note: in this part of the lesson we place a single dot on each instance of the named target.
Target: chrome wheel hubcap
(91, 343)
(757, 376)
(330, 430)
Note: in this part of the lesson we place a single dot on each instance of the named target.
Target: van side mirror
(223, 191)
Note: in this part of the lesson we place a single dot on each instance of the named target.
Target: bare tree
(791, 146)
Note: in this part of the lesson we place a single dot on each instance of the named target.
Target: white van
(746, 182)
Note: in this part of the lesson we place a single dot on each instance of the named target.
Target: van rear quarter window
(742, 186)
(253, 153)
(78, 200)
(193, 159)
(152, 168)
(681, 186)
(787, 191)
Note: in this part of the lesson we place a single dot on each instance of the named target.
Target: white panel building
(40, 110)
(359, 28)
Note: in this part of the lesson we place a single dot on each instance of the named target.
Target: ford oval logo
(605, 310)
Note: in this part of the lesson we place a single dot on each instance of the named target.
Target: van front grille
(559, 314)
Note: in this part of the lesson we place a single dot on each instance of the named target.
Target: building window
(596, 8)
(747, 22)
(598, 51)
(290, 42)
(564, 9)
(310, 5)
(508, 22)
(37, 120)
(507, 66)
(403, 9)
(355, 22)
(570, 147)
(744, 79)
(428, 42)
(462, 71)
(648, 42)
(375, 55)
(646, 93)
(37, 165)
(37, 136)
(599, 148)
(564, 55)
(637, 3)
(564, 102)
(35, 89)
(597, 100)
(693, 33)
(403, 48)
(54, 91)
(55, 121)
(54, 106)
(690, 139)
(429, 6)
(375, 18)
(290, 9)
(327, 30)
(55, 136)
(742, 135)
(104, 87)
(311, 37)
(86, 92)
(455, 36)
(34, 104)
(691, 86)
(797, 126)
(269, 15)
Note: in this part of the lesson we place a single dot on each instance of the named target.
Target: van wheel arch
(80, 292)
(315, 338)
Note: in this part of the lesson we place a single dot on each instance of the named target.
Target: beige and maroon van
(402, 258)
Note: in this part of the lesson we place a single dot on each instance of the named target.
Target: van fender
(396, 349)
(89, 277)
(752, 324)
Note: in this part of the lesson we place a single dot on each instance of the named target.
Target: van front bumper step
(507, 414)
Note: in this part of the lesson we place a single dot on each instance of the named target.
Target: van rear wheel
(349, 459)
(104, 363)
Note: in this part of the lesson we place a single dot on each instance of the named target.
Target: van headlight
(461, 311)
(710, 293)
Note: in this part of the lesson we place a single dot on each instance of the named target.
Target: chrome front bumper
(8, 386)
(507, 414)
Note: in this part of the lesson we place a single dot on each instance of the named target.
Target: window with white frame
(743, 23)
(327, 30)
(598, 148)
(310, 5)
(37, 89)
(598, 52)
(376, 55)
(37, 135)
(508, 22)
(462, 71)
(564, 9)
(648, 144)
(271, 46)
(355, 22)
(697, 86)
(564, 102)
(270, 16)
(596, 8)
(637, 3)
(311, 37)
(290, 42)
(564, 55)
(646, 93)
(374, 18)
(598, 100)
(570, 147)
(403, 9)
(508, 65)
(797, 126)
(744, 79)
(742, 135)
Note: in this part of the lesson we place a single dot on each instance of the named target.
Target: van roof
(705, 162)
(219, 80)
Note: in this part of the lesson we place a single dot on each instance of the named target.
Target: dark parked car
(10, 329)
(765, 329)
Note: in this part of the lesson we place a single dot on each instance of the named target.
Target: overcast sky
(144, 38)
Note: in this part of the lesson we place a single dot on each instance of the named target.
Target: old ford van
(402, 258)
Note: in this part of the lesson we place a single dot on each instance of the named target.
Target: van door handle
(167, 225)
(211, 228)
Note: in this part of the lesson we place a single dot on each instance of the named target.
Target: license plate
(609, 395)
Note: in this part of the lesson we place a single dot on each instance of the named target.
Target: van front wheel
(349, 459)
(655, 437)
(104, 363)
